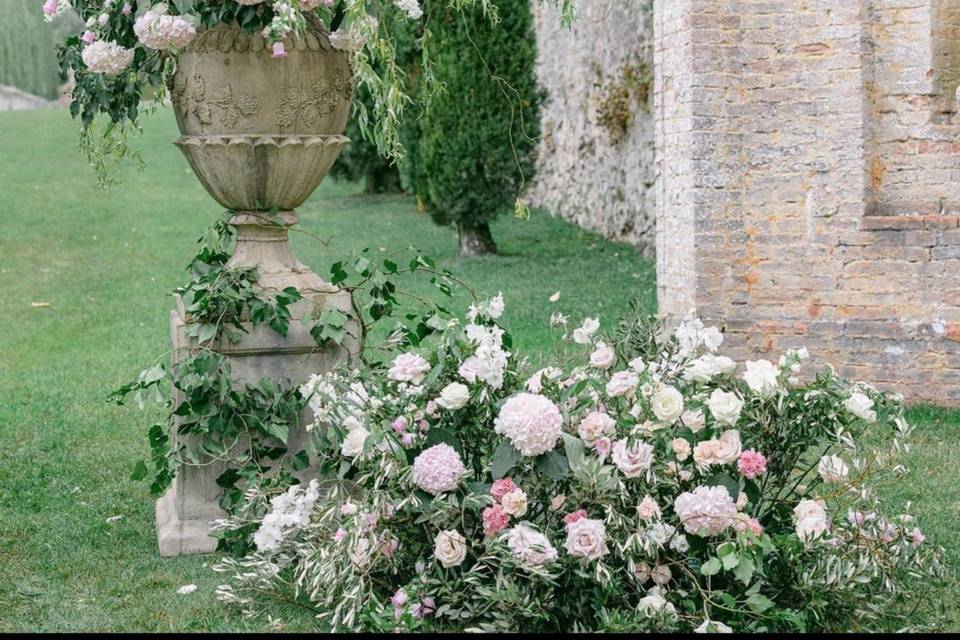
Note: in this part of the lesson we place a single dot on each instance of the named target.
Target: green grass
(106, 262)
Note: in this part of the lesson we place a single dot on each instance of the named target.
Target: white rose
(587, 538)
(725, 406)
(761, 377)
(632, 461)
(833, 469)
(353, 444)
(693, 419)
(667, 404)
(454, 396)
(811, 519)
(584, 333)
(704, 368)
(603, 356)
(514, 503)
(712, 338)
(622, 383)
(860, 405)
(408, 367)
(450, 548)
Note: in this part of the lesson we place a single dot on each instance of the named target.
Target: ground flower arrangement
(631, 481)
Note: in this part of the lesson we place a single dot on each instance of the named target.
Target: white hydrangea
(106, 57)
(531, 422)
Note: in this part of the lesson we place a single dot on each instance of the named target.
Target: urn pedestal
(261, 134)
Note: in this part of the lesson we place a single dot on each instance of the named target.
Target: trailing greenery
(478, 136)
(27, 59)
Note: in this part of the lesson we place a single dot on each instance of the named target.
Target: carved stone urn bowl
(261, 132)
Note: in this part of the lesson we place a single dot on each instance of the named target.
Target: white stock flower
(454, 396)
(632, 461)
(531, 422)
(514, 503)
(761, 377)
(450, 548)
(725, 406)
(667, 404)
(584, 333)
(811, 519)
(587, 538)
(531, 547)
(622, 383)
(860, 405)
(410, 7)
(492, 308)
(603, 356)
(833, 469)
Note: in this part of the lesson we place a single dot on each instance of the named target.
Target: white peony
(811, 519)
(454, 396)
(450, 548)
(632, 461)
(667, 404)
(106, 57)
(705, 511)
(833, 469)
(587, 538)
(860, 405)
(761, 377)
(584, 333)
(530, 546)
(352, 445)
(725, 406)
(408, 367)
(531, 422)
(622, 383)
(603, 356)
(514, 503)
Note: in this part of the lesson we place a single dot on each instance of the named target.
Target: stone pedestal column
(185, 512)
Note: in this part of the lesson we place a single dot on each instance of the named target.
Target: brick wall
(807, 164)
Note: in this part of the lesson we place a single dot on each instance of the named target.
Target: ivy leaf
(277, 430)
(504, 459)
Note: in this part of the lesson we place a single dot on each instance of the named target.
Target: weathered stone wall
(807, 168)
(595, 164)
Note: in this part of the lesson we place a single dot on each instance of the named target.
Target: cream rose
(860, 405)
(454, 396)
(693, 419)
(514, 503)
(603, 356)
(352, 445)
(725, 406)
(450, 548)
(811, 519)
(595, 425)
(667, 404)
(833, 469)
(681, 448)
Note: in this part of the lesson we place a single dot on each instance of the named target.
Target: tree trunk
(476, 241)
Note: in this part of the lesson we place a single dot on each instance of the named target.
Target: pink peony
(752, 464)
(706, 510)
(501, 487)
(531, 422)
(407, 367)
(494, 520)
(438, 469)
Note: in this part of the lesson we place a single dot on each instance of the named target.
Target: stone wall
(595, 164)
(807, 181)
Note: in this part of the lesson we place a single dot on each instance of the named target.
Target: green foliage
(27, 59)
(478, 136)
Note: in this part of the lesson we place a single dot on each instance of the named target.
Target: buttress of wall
(595, 165)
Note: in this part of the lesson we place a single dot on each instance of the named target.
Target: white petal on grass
(113, 519)
(187, 588)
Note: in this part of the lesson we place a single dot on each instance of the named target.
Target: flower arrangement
(122, 60)
(633, 481)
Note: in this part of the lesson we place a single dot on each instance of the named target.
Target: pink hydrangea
(570, 518)
(158, 31)
(706, 510)
(752, 464)
(494, 520)
(501, 487)
(438, 469)
(106, 57)
(531, 422)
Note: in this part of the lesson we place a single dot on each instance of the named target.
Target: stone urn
(261, 133)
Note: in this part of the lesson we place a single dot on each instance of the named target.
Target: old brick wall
(807, 171)
(595, 165)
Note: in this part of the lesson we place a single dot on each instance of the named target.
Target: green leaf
(759, 603)
(139, 471)
(436, 436)
(278, 430)
(573, 446)
(724, 480)
(744, 569)
(711, 567)
(729, 561)
(553, 464)
(504, 459)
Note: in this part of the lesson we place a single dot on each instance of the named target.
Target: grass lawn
(105, 264)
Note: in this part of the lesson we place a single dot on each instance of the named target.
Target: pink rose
(501, 487)
(752, 464)
(494, 520)
(570, 518)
